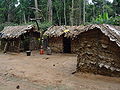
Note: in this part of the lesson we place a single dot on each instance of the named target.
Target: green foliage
(114, 20)
(45, 25)
(100, 11)
(101, 19)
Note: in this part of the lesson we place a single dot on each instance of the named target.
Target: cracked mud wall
(75, 44)
(97, 54)
(56, 44)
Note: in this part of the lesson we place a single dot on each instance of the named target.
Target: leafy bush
(105, 19)
(101, 19)
(45, 25)
(114, 20)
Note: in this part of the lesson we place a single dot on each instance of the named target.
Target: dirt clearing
(49, 72)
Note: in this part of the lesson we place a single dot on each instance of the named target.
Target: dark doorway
(25, 43)
(66, 45)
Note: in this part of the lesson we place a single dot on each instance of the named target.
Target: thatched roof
(15, 31)
(113, 32)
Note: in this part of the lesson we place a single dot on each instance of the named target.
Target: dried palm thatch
(113, 32)
(68, 31)
(15, 31)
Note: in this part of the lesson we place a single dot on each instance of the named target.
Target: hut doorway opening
(66, 45)
(26, 44)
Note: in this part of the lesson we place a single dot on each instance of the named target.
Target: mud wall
(97, 54)
(75, 45)
(56, 44)
(17, 45)
(13, 45)
(34, 43)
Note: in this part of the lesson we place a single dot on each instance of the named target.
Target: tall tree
(50, 12)
(72, 13)
(84, 11)
(65, 12)
(36, 6)
(9, 6)
(60, 12)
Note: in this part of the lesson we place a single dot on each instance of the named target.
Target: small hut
(62, 39)
(97, 46)
(19, 38)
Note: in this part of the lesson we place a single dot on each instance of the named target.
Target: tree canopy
(60, 12)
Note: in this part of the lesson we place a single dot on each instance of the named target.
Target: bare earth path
(44, 72)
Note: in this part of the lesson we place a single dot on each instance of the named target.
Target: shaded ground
(44, 72)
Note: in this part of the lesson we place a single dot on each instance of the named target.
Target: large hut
(97, 46)
(19, 38)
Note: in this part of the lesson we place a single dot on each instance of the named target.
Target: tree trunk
(65, 12)
(36, 6)
(94, 12)
(59, 21)
(50, 13)
(84, 11)
(103, 7)
(8, 15)
(72, 13)
(80, 19)
(24, 17)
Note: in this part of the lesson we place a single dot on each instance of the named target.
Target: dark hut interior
(66, 45)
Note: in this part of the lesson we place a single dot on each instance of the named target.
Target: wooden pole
(5, 48)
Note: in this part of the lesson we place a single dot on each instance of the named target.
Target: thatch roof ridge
(113, 32)
(15, 31)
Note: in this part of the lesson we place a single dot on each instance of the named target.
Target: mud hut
(19, 38)
(97, 46)
(63, 38)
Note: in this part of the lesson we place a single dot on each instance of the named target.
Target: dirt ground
(49, 72)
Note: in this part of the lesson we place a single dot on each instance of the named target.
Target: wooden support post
(5, 48)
